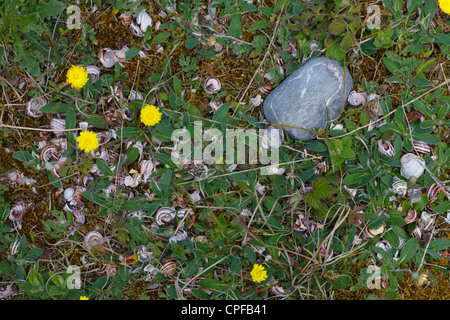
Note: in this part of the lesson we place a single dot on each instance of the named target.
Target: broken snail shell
(107, 57)
(357, 98)
(399, 186)
(386, 148)
(17, 210)
(412, 165)
(164, 215)
(34, 106)
(212, 85)
(411, 216)
(94, 71)
(93, 239)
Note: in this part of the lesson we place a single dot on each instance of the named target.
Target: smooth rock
(311, 95)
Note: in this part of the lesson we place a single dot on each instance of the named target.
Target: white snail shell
(386, 148)
(143, 20)
(107, 57)
(212, 85)
(93, 239)
(79, 217)
(94, 71)
(399, 186)
(426, 221)
(412, 165)
(357, 98)
(422, 147)
(144, 253)
(34, 106)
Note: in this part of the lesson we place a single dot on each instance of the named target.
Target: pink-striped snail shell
(411, 216)
(211, 85)
(93, 239)
(386, 148)
(357, 98)
(412, 165)
(79, 217)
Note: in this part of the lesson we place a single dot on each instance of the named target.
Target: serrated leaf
(337, 26)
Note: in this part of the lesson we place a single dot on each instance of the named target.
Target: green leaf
(103, 167)
(337, 26)
(190, 42)
(52, 8)
(161, 37)
(23, 156)
(235, 26)
(222, 112)
(132, 52)
(443, 207)
(261, 24)
(408, 251)
(414, 5)
(248, 7)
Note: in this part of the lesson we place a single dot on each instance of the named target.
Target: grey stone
(309, 97)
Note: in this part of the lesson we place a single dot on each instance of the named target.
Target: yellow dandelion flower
(258, 273)
(77, 76)
(420, 278)
(84, 298)
(445, 6)
(150, 115)
(87, 141)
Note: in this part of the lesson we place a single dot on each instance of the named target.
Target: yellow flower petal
(84, 298)
(445, 6)
(258, 273)
(150, 115)
(87, 141)
(77, 76)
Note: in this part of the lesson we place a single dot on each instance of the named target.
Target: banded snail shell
(417, 233)
(399, 186)
(412, 165)
(212, 85)
(168, 269)
(165, 215)
(94, 71)
(93, 239)
(386, 148)
(265, 89)
(411, 216)
(48, 152)
(144, 253)
(432, 191)
(17, 210)
(356, 98)
(422, 147)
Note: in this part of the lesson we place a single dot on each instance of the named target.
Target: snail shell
(94, 71)
(34, 106)
(321, 167)
(48, 152)
(273, 137)
(211, 85)
(17, 210)
(383, 244)
(386, 148)
(146, 168)
(357, 98)
(180, 235)
(374, 232)
(69, 194)
(126, 19)
(215, 104)
(107, 57)
(301, 224)
(399, 186)
(411, 216)
(144, 253)
(432, 192)
(265, 89)
(426, 221)
(168, 269)
(165, 215)
(422, 147)
(412, 165)
(6, 292)
(143, 20)
(417, 233)
(201, 239)
(162, 14)
(274, 169)
(278, 291)
(79, 217)
(93, 239)
(135, 95)
(58, 125)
